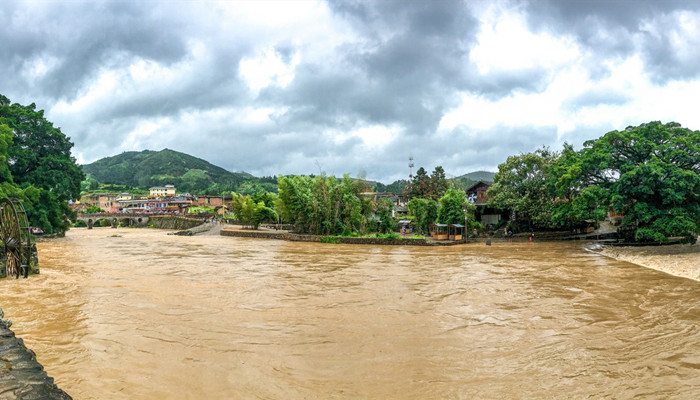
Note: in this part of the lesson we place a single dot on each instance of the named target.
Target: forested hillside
(153, 168)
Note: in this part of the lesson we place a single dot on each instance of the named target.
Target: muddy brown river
(143, 315)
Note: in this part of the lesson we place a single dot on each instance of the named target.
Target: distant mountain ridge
(148, 168)
(478, 176)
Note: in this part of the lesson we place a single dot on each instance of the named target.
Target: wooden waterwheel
(15, 236)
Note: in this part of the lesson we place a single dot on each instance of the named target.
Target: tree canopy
(521, 185)
(452, 207)
(425, 211)
(426, 186)
(39, 161)
(649, 173)
(323, 205)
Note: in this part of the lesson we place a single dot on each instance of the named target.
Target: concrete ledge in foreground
(21, 376)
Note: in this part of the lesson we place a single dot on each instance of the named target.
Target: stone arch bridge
(115, 219)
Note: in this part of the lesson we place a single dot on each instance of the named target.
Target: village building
(215, 201)
(162, 191)
(178, 204)
(399, 201)
(105, 201)
(124, 196)
(487, 216)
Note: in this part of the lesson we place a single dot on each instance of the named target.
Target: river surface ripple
(148, 316)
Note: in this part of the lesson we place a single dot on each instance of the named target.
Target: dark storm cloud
(395, 64)
(408, 58)
(620, 28)
(84, 38)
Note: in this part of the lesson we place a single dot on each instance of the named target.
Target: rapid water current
(138, 314)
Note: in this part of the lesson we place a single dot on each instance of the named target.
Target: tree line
(326, 205)
(649, 174)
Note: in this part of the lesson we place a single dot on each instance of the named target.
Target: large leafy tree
(452, 207)
(651, 175)
(521, 185)
(40, 162)
(578, 202)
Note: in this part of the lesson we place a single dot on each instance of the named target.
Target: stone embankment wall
(173, 222)
(201, 228)
(21, 376)
(314, 238)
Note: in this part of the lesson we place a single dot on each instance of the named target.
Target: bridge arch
(114, 219)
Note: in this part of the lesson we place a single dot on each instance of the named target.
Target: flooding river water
(143, 315)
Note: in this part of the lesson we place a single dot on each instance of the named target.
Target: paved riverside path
(21, 376)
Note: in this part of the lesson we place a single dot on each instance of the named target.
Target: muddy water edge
(135, 313)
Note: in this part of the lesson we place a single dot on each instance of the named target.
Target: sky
(357, 87)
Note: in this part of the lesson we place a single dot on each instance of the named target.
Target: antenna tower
(410, 168)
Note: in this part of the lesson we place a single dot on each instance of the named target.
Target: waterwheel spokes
(12, 264)
(15, 235)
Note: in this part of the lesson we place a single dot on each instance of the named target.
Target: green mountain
(477, 176)
(155, 168)
(466, 180)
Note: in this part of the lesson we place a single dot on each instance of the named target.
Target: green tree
(651, 175)
(94, 209)
(452, 207)
(250, 212)
(522, 185)
(397, 187)
(384, 209)
(438, 183)
(425, 211)
(40, 154)
(578, 203)
(420, 186)
(294, 202)
(40, 162)
(322, 205)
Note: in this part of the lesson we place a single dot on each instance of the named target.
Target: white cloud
(506, 44)
(267, 68)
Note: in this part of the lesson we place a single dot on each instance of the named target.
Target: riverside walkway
(21, 376)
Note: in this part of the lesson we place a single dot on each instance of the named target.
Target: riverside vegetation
(649, 174)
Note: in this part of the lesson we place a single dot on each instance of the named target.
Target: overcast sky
(352, 87)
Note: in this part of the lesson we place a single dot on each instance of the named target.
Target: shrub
(330, 239)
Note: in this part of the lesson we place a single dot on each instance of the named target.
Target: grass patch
(330, 239)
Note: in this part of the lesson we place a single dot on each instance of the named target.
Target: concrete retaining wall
(21, 376)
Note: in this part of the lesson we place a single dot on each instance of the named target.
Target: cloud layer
(349, 86)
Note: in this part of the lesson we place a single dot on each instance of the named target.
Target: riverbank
(21, 376)
(679, 259)
(263, 233)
